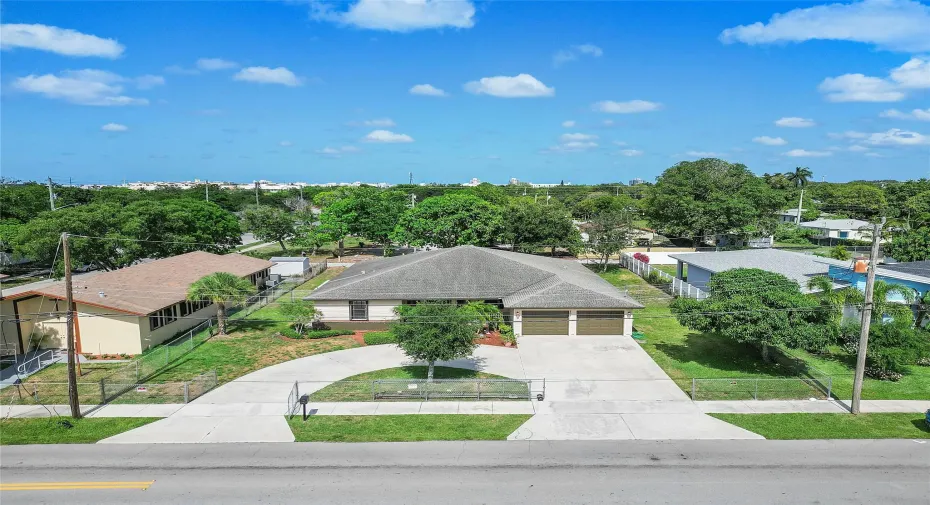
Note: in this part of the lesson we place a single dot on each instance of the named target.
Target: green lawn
(406, 428)
(685, 354)
(328, 250)
(47, 430)
(670, 269)
(826, 426)
(357, 388)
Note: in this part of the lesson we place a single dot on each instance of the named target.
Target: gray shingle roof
(918, 268)
(796, 266)
(476, 273)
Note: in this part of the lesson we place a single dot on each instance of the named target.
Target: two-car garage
(588, 322)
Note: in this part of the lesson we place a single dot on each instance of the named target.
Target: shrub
(892, 347)
(313, 334)
(840, 253)
(791, 233)
(507, 334)
(380, 337)
(654, 277)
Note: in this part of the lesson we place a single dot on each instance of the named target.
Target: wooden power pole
(866, 319)
(72, 353)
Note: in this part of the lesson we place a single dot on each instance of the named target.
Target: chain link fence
(272, 294)
(810, 382)
(422, 390)
(101, 392)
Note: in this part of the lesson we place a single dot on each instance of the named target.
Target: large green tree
(709, 196)
(221, 288)
(609, 232)
(269, 223)
(758, 307)
(531, 226)
(854, 200)
(434, 331)
(910, 245)
(451, 220)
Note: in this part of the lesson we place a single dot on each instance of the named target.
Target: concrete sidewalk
(810, 406)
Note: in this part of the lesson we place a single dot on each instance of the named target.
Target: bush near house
(313, 334)
(379, 338)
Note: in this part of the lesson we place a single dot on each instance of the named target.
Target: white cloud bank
(427, 90)
(897, 137)
(770, 141)
(266, 75)
(399, 15)
(210, 64)
(62, 41)
(631, 152)
(897, 25)
(387, 137)
(380, 123)
(795, 122)
(916, 114)
(901, 81)
(114, 127)
(518, 86)
(630, 107)
(804, 153)
(82, 87)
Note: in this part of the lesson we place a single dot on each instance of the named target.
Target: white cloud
(631, 152)
(795, 122)
(149, 81)
(570, 137)
(918, 114)
(897, 137)
(178, 69)
(285, 143)
(770, 141)
(848, 135)
(266, 75)
(568, 124)
(858, 148)
(380, 123)
(898, 25)
(387, 137)
(630, 107)
(804, 153)
(83, 87)
(874, 155)
(572, 54)
(519, 86)
(337, 152)
(427, 90)
(57, 40)
(571, 147)
(400, 15)
(210, 64)
(114, 127)
(607, 122)
(619, 143)
(702, 154)
(912, 75)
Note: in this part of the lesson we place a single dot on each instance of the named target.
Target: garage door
(545, 322)
(600, 322)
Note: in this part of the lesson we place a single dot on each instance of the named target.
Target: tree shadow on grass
(723, 355)
(921, 424)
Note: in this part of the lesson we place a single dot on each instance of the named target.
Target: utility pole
(72, 354)
(411, 178)
(800, 204)
(413, 200)
(256, 192)
(866, 319)
(51, 194)
(207, 187)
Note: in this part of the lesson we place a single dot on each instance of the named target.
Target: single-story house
(287, 266)
(845, 229)
(914, 274)
(121, 311)
(789, 215)
(795, 266)
(538, 295)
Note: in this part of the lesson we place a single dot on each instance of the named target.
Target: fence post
(755, 394)
(137, 370)
(35, 392)
(187, 392)
(373, 390)
(829, 387)
(103, 391)
(478, 384)
(693, 388)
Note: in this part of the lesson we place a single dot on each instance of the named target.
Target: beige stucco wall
(153, 338)
(54, 328)
(106, 331)
(338, 310)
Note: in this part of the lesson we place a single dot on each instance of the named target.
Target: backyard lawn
(685, 354)
(406, 428)
(357, 388)
(827, 426)
(47, 430)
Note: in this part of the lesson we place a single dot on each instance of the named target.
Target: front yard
(406, 428)
(358, 388)
(52, 430)
(685, 354)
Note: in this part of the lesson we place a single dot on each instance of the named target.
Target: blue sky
(542, 91)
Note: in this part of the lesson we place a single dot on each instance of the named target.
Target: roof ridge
(424, 256)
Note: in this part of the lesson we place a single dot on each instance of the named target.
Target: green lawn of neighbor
(47, 430)
(826, 426)
(685, 354)
(357, 388)
(406, 428)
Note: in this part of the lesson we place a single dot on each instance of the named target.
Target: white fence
(670, 284)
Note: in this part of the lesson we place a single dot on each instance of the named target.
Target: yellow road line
(50, 486)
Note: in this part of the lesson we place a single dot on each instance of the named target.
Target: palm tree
(799, 178)
(882, 306)
(220, 288)
(834, 299)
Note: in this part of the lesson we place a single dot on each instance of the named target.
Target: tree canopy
(451, 220)
(533, 225)
(910, 245)
(434, 331)
(269, 223)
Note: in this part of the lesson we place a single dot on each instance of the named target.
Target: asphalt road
(692, 472)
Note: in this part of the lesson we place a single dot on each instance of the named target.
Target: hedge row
(290, 333)
(380, 337)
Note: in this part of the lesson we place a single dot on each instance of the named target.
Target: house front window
(358, 310)
(844, 234)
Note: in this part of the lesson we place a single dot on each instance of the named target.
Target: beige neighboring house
(121, 311)
(538, 295)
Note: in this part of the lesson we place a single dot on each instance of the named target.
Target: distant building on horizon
(636, 181)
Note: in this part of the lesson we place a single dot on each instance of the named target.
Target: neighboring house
(121, 311)
(914, 274)
(789, 215)
(538, 295)
(795, 266)
(845, 229)
(639, 236)
(287, 266)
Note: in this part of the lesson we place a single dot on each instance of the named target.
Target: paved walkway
(810, 406)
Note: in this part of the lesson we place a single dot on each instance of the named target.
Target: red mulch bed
(358, 336)
(492, 338)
